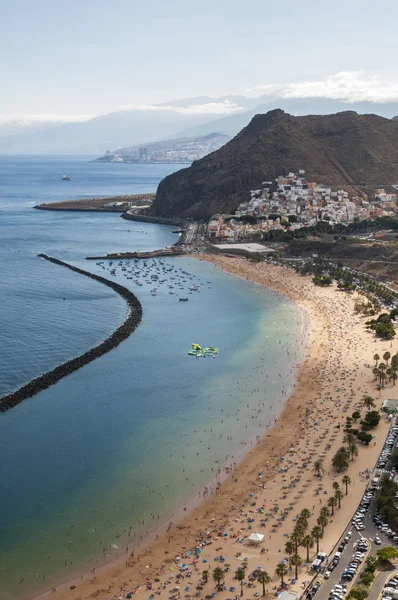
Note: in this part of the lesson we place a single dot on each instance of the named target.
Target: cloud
(28, 119)
(211, 108)
(349, 86)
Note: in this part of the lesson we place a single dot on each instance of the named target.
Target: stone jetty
(130, 323)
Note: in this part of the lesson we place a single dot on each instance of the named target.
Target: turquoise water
(138, 431)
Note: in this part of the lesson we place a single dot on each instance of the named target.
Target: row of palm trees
(382, 370)
(240, 574)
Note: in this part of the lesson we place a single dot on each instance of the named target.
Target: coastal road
(369, 533)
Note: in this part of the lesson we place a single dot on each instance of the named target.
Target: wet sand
(275, 479)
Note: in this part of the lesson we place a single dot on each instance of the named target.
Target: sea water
(106, 454)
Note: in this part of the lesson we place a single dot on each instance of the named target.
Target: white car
(377, 540)
(327, 574)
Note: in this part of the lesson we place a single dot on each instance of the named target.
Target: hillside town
(292, 202)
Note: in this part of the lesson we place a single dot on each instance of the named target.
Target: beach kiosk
(255, 539)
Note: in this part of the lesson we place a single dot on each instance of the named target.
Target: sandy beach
(275, 479)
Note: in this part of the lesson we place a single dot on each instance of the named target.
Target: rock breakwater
(44, 381)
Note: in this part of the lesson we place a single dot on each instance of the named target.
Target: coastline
(323, 307)
(130, 323)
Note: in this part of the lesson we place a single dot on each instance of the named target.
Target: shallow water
(131, 435)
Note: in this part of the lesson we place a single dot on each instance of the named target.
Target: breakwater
(136, 216)
(44, 381)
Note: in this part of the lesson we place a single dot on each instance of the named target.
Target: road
(380, 581)
(369, 533)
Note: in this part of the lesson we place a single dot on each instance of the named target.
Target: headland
(275, 480)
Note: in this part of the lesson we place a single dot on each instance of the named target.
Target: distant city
(182, 150)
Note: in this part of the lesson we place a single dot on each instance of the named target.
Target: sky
(76, 58)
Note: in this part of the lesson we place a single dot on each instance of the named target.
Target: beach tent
(256, 538)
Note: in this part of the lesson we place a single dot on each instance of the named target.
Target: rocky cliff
(344, 149)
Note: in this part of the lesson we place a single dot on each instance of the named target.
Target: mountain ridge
(343, 149)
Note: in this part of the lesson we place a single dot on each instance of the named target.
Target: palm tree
(305, 513)
(349, 437)
(289, 548)
(281, 571)
(324, 512)
(205, 575)
(382, 378)
(382, 367)
(263, 578)
(317, 534)
(318, 468)
(336, 486)
(340, 460)
(368, 401)
(386, 357)
(308, 542)
(339, 496)
(376, 373)
(322, 522)
(353, 449)
(346, 481)
(218, 575)
(296, 562)
(240, 576)
(332, 502)
(376, 358)
(297, 537)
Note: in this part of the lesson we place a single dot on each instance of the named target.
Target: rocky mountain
(344, 149)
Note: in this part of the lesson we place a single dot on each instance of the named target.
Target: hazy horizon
(75, 61)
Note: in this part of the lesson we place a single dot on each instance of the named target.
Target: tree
(324, 512)
(387, 554)
(350, 438)
(353, 449)
(205, 575)
(297, 537)
(336, 486)
(372, 419)
(322, 522)
(317, 534)
(386, 357)
(308, 542)
(368, 401)
(339, 496)
(376, 358)
(332, 502)
(364, 437)
(305, 514)
(281, 571)
(318, 468)
(340, 460)
(289, 548)
(240, 576)
(346, 481)
(356, 415)
(218, 575)
(296, 562)
(394, 458)
(263, 578)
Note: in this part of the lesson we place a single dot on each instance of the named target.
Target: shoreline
(302, 407)
(122, 332)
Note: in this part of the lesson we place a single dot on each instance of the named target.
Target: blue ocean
(118, 445)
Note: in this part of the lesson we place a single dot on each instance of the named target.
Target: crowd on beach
(268, 489)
